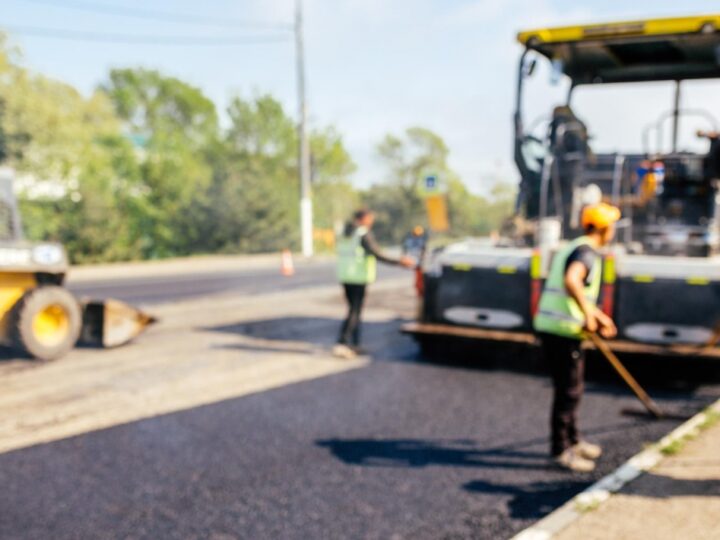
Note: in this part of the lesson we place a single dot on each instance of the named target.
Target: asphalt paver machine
(661, 278)
(38, 315)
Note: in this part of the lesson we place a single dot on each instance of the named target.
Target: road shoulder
(669, 490)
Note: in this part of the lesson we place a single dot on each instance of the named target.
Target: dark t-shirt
(587, 256)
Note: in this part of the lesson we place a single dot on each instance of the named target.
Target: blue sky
(373, 66)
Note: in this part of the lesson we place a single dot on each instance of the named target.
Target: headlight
(48, 255)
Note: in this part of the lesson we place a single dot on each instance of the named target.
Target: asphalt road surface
(161, 289)
(400, 448)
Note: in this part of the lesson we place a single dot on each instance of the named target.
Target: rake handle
(638, 390)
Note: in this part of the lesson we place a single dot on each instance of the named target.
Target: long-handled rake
(638, 390)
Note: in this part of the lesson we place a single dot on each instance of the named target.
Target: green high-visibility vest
(558, 313)
(354, 264)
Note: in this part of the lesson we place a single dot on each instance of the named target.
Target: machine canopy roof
(635, 51)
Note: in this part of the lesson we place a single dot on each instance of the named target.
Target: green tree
(255, 192)
(179, 125)
(334, 195)
(67, 151)
(397, 201)
(407, 159)
(255, 202)
(141, 169)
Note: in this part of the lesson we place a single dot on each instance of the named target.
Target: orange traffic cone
(287, 268)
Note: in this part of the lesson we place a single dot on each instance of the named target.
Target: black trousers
(566, 361)
(350, 329)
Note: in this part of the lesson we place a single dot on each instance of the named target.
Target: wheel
(46, 322)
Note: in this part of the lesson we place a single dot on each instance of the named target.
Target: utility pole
(306, 209)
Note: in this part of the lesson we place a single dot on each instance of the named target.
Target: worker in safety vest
(357, 256)
(567, 310)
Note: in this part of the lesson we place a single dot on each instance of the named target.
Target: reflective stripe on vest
(558, 312)
(354, 265)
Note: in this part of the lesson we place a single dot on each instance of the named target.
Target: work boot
(343, 351)
(571, 460)
(587, 450)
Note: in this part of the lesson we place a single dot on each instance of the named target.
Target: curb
(602, 490)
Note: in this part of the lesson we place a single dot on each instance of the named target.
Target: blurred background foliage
(143, 168)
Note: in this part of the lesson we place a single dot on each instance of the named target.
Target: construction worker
(415, 242)
(357, 256)
(567, 310)
(650, 181)
(712, 161)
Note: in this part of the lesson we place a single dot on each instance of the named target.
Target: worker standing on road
(415, 243)
(357, 256)
(568, 308)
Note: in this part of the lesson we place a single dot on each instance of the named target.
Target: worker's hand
(591, 323)
(608, 330)
(707, 134)
(408, 262)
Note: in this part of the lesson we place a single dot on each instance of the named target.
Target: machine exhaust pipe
(111, 323)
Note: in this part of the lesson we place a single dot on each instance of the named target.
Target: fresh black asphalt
(399, 449)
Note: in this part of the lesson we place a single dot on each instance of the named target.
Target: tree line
(143, 168)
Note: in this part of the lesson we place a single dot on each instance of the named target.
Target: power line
(72, 35)
(164, 16)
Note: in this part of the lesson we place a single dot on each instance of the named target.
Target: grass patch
(675, 446)
(712, 417)
(587, 506)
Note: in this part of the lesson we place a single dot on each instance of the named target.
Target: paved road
(397, 449)
(161, 289)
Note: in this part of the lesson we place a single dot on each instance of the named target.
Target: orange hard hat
(600, 215)
(418, 230)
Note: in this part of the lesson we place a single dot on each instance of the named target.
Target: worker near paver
(567, 310)
(649, 184)
(357, 256)
(712, 161)
(415, 242)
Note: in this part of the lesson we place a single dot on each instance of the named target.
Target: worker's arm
(595, 319)
(370, 246)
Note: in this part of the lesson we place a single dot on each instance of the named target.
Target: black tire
(46, 322)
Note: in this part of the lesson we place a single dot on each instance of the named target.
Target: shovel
(610, 356)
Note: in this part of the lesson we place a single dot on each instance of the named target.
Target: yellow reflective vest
(354, 265)
(558, 312)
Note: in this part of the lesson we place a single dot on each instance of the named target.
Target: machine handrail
(667, 115)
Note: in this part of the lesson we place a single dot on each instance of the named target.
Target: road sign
(431, 184)
(437, 213)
